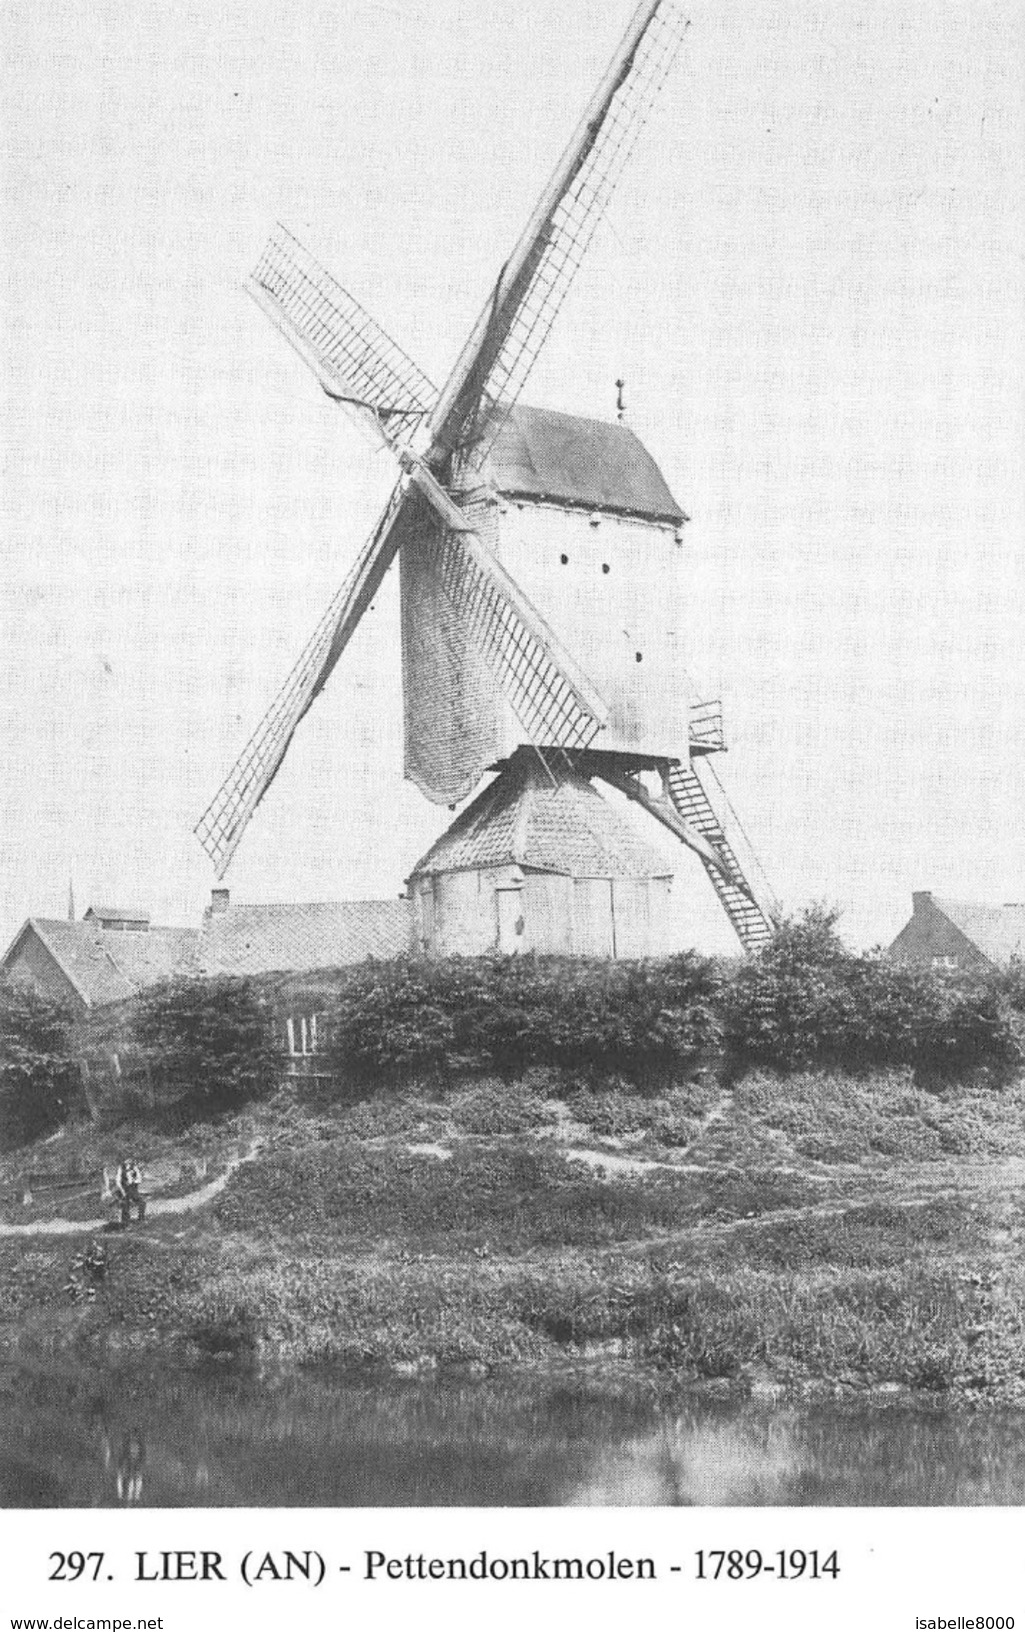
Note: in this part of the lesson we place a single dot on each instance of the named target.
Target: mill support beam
(664, 812)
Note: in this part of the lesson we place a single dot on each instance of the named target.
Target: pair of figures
(126, 1190)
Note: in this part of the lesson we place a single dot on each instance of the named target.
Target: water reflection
(120, 1452)
(74, 1438)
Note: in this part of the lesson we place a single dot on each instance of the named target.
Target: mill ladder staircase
(753, 925)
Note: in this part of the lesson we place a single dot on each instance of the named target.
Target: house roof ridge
(137, 915)
(69, 973)
(299, 906)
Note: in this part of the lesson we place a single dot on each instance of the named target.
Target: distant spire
(620, 403)
(71, 900)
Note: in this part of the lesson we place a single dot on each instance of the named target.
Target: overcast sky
(811, 279)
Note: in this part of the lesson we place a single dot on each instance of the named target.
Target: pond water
(154, 1437)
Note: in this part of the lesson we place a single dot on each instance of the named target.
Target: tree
(39, 1077)
(805, 1001)
(207, 1039)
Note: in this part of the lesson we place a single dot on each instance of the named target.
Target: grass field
(804, 1232)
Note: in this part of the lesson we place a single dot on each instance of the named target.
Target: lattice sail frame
(564, 238)
(549, 709)
(357, 363)
(552, 704)
(354, 358)
(224, 821)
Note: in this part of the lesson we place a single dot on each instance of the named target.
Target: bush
(394, 1115)
(38, 1075)
(223, 1326)
(498, 1108)
(1012, 985)
(207, 1039)
(396, 1021)
(806, 1001)
(612, 1112)
(964, 1024)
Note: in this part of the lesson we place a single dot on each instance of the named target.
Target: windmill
(492, 663)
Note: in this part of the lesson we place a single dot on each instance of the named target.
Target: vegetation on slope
(724, 1203)
(393, 1231)
(38, 1075)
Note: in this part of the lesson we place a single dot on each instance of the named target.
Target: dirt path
(154, 1209)
(913, 1186)
(612, 1164)
(920, 1187)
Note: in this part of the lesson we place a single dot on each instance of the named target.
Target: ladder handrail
(752, 923)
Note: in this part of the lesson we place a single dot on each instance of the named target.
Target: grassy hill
(810, 1231)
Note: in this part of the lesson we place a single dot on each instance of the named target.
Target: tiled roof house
(960, 934)
(85, 965)
(263, 939)
(113, 953)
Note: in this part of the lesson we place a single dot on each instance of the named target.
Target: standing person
(126, 1187)
(119, 1191)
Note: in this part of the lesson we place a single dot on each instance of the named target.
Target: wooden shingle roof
(586, 463)
(545, 818)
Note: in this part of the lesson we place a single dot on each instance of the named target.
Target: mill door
(511, 923)
(593, 922)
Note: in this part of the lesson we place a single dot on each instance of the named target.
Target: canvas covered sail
(450, 701)
(579, 513)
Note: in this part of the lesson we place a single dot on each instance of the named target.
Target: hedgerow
(1011, 983)
(39, 1079)
(805, 1002)
(395, 1021)
(207, 1039)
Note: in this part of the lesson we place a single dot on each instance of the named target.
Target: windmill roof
(560, 824)
(591, 463)
(998, 932)
(260, 939)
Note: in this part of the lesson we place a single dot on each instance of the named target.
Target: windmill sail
(449, 706)
(552, 704)
(225, 819)
(350, 354)
(452, 727)
(544, 686)
(516, 321)
(357, 363)
(548, 690)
